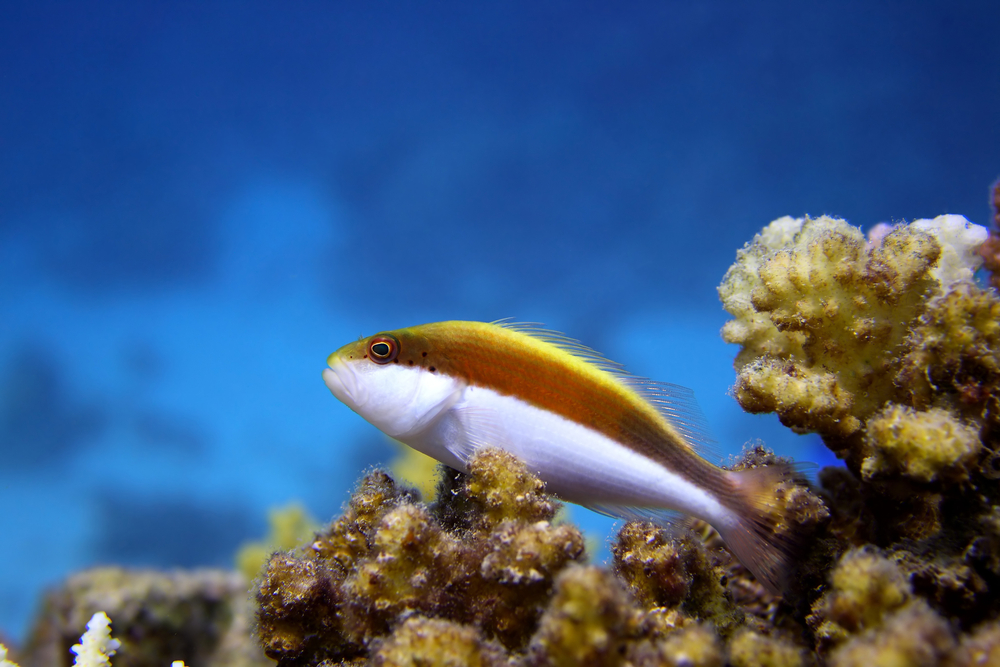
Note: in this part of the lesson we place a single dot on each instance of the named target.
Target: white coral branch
(96, 646)
(4, 662)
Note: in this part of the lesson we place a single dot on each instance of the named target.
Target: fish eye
(383, 348)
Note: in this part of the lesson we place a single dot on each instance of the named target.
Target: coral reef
(694, 645)
(884, 345)
(484, 575)
(750, 648)
(486, 554)
(915, 635)
(432, 642)
(202, 617)
(95, 648)
(665, 570)
(821, 315)
(923, 445)
(865, 588)
(888, 348)
(981, 647)
(587, 622)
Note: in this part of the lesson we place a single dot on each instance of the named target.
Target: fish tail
(762, 535)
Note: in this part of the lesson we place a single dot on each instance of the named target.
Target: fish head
(386, 379)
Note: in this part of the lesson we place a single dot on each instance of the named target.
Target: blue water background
(200, 201)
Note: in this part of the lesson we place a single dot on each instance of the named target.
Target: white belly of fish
(577, 463)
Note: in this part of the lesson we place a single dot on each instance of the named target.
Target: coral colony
(884, 345)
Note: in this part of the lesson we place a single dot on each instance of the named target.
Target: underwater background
(199, 202)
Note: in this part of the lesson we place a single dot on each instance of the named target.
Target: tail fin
(764, 538)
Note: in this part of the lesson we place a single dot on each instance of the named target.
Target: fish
(597, 435)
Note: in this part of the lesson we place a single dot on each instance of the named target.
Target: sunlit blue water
(199, 203)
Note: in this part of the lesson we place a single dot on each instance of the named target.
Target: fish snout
(343, 383)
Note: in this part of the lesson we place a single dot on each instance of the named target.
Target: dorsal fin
(680, 407)
(675, 403)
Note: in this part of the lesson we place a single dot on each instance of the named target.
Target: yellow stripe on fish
(596, 435)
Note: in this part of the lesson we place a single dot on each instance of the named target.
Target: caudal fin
(764, 536)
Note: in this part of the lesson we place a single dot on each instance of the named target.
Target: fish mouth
(342, 382)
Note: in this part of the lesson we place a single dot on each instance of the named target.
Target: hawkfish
(595, 434)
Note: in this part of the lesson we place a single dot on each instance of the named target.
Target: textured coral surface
(833, 328)
(484, 576)
(888, 348)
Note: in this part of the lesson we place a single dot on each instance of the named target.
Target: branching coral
(96, 645)
(883, 346)
(652, 564)
(486, 554)
(664, 570)
(95, 648)
(820, 316)
(981, 647)
(952, 356)
(865, 586)
(753, 649)
(921, 445)
(888, 349)
(915, 635)
(484, 575)
(432, 642)
(587, 621)
(288, 527)
(694, 645)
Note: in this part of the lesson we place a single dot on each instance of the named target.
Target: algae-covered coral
(484, 573)
(825, 318)
(485, 555)
(885, 347)
(890, 350)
